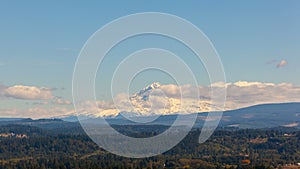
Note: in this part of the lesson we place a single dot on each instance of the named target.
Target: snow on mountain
(148, 89)
(165, 99)
(154, 99)
(143, 95)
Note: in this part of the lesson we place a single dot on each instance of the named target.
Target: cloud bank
(165, 99)
(61, 101)
(28, 92)
(282, 63)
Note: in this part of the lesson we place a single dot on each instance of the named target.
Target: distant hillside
(10, 119)
(259, 116)
(264, 116)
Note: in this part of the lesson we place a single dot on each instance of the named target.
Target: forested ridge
(227, 148)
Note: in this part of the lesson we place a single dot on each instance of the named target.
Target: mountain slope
(265, 115)
(259, 116)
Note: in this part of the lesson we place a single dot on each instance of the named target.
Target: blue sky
(40, 41)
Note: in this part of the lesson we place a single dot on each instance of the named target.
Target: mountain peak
(143, 94)
(154, 85)
(148, 88)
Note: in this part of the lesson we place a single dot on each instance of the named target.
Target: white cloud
(249, 84)
(164, 100)
(171, 90)
(61, 101)
(282, 63)
(36, 112)
(28, 92)
(239, 94)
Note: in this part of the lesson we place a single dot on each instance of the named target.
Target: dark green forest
(227, 148)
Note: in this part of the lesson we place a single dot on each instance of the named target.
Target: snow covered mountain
(147, 90)
(154, 99)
